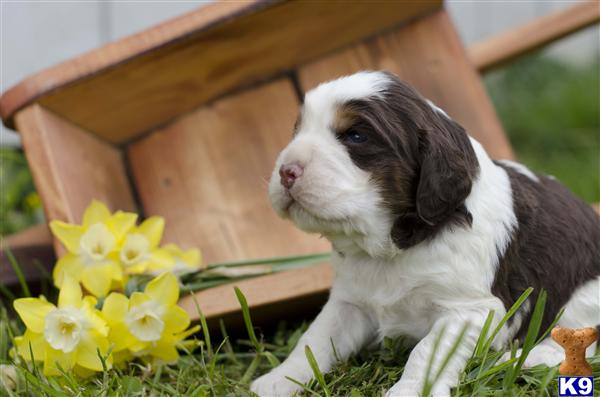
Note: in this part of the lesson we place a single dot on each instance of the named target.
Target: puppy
(428, 233)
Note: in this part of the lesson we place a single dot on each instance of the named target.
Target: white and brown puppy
(427, 233)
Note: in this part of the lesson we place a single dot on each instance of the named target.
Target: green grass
(19, 203)
(551, 114)
(222, 367)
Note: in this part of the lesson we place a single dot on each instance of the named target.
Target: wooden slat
(136, 84)
(429, 55)
(261, 291)
(33, 261)
(34, 235)
(71, 167)
(32, 249)
(515, 42)
(207, 175)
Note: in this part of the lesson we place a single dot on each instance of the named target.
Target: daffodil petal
(121, 222)
(54, 358)
(122, 357)
(115, 308)
(182, 335)
(161, 259)
(176, 320)
(165, 350)
(185, 260)
(137, 298)
(36, 341)
(93, 316)
(172, 248)
(139, 268)
(69, 235)
(152, 228)
(83, 372)
(120, 337)
(119, 284)
(97, 279)
(192, 258)
(33, 312)
(138, 346)
(70, 263)
(70, 293)
(164, 289)
(96, 212)
(87, 351)
(89, 301)
(116, 271)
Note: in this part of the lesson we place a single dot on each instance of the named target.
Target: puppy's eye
(353, 136)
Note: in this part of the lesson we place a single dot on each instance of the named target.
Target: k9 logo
(575, 385)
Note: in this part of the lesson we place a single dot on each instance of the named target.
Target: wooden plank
(429, 55)
(71, 167)
(33, 251)
(35, 262)
(131, 86)
(279, 287)
(34, 235)
(515, 42)
(207, 174)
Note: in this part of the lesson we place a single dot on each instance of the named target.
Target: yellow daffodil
(184, 261)
(140, 251)
(93, 248)
(68, 336)
(148, 323)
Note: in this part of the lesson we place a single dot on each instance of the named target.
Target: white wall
(38, 34)
(35, 35)
(479, 19)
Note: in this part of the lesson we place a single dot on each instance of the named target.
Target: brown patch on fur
(345, 117)
(555, 247)
(421, 160)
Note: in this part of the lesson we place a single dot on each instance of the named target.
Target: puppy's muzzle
(289, 173)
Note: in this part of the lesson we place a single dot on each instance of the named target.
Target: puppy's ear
(448, 166)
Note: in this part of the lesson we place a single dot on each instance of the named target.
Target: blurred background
(548, 102)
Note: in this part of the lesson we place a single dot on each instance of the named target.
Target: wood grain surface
(207, 174)
(278, 287)
(71, 167)
(129, 87)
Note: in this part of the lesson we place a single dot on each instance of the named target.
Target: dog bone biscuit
(575, 341)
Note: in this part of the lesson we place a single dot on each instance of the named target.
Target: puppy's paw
(544, 355)
(405, 388)
(413, 388)
(274, 385)
(539, 355)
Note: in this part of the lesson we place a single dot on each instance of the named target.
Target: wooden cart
(186, 119)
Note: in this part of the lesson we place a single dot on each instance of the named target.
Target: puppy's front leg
(413, 378)
(340, 325)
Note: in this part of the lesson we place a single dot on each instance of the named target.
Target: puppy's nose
(289, 173)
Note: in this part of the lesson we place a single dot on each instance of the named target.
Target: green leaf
(247, 320)
(316, 371)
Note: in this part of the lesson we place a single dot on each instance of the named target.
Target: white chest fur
(406, 294)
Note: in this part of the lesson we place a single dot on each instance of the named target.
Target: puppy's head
(370, 157)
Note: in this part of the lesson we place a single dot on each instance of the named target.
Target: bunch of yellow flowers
(79, 334)
(106, 248)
